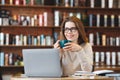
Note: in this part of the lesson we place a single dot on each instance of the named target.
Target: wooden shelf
(11, 66)
(106, 48)
(31, 10)
(12, 69)
(22, 46)
(56, 7)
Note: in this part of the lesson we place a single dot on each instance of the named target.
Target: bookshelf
(43, 20)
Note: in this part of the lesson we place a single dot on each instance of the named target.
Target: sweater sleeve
(85, 57)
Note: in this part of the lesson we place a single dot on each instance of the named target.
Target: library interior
(35, 24)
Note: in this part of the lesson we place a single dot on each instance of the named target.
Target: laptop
(42, 63)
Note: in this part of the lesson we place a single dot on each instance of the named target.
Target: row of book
(10, 39)
(67, 3)
(107, 58)
(89, 19)
(10, 59)
(24, 20)
(100, 59)
(103, 39)
(27, 2)
(41, 19)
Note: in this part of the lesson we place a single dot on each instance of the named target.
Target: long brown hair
(82, 35)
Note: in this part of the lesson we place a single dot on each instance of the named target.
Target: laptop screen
(42, 62)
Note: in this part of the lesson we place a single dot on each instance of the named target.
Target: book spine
(91, 38)
(92, 3)
(103, 40)
(98, 20)
(38, 39)
(97, 58)
(2, 58)
(7, 39)
(2, 38)
(0, 21)
(117, 41)
(119, 20)
(3, 2)
(90, 20)
(56, 18)
(97, 38)
(24, 40)
(6, 59)
(17, 2)
(40, 20)
(11, 2)
(105, 20)
(102, 3)
(45, 14)
(113, 58)
(102, 58)
(48, 41)
(66, 3)
(42, 39)
(32, 22)
(35, 41)
(110, 3)
(111, 41)
(112, 21)
(29, 39)
(118, 54)
(107, 58)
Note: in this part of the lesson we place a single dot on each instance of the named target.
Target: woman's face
(71, 32)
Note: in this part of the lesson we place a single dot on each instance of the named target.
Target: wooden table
(65, 78)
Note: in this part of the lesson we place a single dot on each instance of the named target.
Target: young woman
(77, 55)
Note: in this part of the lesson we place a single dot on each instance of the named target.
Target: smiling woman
(77, 55)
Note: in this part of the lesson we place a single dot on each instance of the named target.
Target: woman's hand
(57, 45)
(72, 47)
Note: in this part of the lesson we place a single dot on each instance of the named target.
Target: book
(117, 41)
(97, 58)
(118, 20)
(3, 2)
(98, 72)
(108, 58)
(105, 20)
(94, 73)
(113, 58)
(92, 5)
(83, 73)
(110, 3)
(2, 38)
(2, 58)
(118, 60)
(45, 14)
(102, 3)
(98, 20)
(102, 58)
(56, 18)
(112, 21)
(97, 38)
(91, 38)
(90, 20)
(103, 40)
